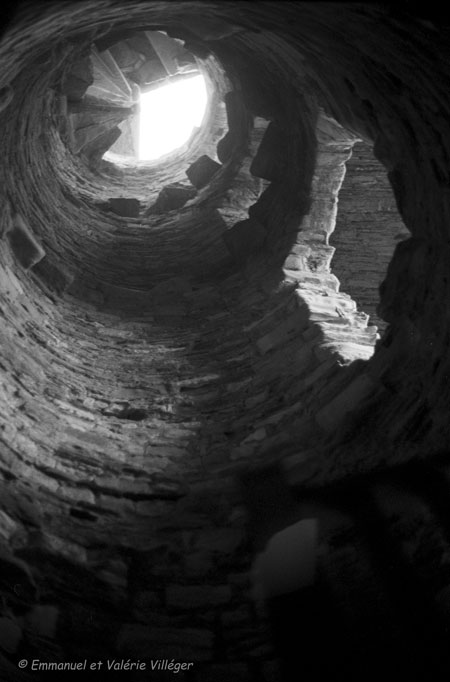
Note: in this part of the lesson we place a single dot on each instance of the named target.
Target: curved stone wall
(148, 362)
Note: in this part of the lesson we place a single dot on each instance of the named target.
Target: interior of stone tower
(225, 371)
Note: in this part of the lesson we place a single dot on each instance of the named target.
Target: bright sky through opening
(168, 116)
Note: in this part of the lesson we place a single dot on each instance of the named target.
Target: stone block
(347, 351)
(94, 150)
(78, 80)
(172, 197)
(55, 276)
(202, 171)
(238, 124)
(352, 331)
(23, 244)
(268, 162)
(128, 208)
(322, 282)
(329, 304)
(320, 258)
(296, 261)
(197, 596)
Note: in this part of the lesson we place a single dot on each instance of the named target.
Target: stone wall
(366, 208)
(380, 596)
(151, 363)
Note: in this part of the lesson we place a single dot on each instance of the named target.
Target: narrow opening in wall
(169, 115)
(368, 228)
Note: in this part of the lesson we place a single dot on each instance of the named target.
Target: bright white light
(168, 116)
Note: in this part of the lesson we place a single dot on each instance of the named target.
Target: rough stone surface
(124, 207)
(79, 78)
(366, 205)
(93, 151)
(202, 170)
(172, 197)
(23, 244)
(146, 369)
(269, 160)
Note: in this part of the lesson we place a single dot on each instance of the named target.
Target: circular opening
(152, 90)
(169, 115)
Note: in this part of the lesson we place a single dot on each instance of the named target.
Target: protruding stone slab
(94, 151)
(239, 120)
(128, 208)
(23, 244)
(171, 197)
(268, 162)
(55, 276)
(78, 80)
(202, 171)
